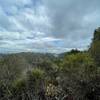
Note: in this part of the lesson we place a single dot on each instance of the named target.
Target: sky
(47, 25)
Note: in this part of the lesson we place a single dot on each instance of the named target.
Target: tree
(76, 72)
(95, 46)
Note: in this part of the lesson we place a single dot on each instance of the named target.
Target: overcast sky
(47, 25)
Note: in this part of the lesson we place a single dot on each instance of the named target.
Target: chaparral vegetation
(73, 75)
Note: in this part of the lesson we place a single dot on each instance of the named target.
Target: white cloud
(48, 26)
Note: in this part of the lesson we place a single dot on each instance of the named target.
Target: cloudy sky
(47, 25)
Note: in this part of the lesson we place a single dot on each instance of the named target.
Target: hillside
(73, 75)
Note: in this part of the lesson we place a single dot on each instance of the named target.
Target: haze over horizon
(47, 25)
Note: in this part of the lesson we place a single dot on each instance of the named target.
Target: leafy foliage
(95, 46)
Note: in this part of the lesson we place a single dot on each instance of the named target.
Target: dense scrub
(74, 75)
